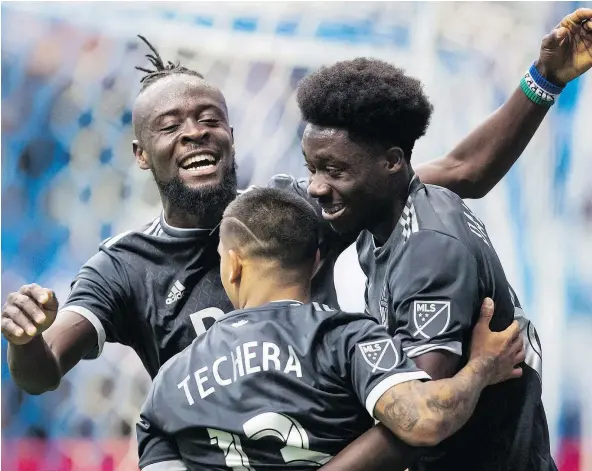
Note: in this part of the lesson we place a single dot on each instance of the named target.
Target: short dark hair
(273, 224)
(161, 70)
(371, 99)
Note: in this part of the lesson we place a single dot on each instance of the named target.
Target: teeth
(198, 159)
(333, 209)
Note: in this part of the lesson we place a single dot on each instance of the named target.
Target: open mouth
(199, 164)
(332, 212)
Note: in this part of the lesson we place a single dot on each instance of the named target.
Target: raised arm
(482, 159)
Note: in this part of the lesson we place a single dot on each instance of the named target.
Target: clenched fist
(27, 313)
(566, 52)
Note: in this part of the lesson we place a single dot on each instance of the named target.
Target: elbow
(477, 190)
(37, 389)
(426, 433)
(427, 438)
(469, 187)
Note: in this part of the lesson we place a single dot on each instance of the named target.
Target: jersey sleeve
(100, 293)
(370, 360)
(434, 294)
(157, 450)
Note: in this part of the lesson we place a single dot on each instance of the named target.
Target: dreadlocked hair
(161, 70)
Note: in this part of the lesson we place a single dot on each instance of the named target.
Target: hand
(566, 52)
(28, 313)
(500, 351)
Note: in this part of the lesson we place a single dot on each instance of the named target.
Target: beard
(206, 203)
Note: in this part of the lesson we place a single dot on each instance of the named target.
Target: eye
(210, 121)
(333, 171)
(310, 168)
(170, 128)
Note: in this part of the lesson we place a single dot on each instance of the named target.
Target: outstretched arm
(481, 160)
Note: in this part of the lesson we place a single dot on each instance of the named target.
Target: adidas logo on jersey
(175, 293)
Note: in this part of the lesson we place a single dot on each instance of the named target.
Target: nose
(194, 132)
(317, 186)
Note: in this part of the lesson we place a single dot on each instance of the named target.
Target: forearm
(482, 159)
(33, 366)
(424, 414)
(377, 450)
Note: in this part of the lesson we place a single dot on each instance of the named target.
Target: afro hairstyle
(371, 99)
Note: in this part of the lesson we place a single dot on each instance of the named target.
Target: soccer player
(147, 288)
(285, 383)
(427, 257)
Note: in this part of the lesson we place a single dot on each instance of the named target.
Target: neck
(391, 213)
(182, 219)
(266, 289)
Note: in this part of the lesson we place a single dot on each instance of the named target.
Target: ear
(140, 154)
(236, 267)
(232, 138)
(395, 159)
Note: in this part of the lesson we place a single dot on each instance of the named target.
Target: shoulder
(123, 239)
(433, 251)
(289, 182)
(440, 210)
(340, 323)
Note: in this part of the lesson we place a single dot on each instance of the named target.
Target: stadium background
(69, 179)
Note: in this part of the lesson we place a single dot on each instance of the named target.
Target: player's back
(443, 259)
(270, 387)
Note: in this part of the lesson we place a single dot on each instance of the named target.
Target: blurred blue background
(69, 179)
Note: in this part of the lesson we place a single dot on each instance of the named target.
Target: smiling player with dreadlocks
(145, 288)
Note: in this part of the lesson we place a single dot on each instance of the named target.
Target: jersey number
(269, 424)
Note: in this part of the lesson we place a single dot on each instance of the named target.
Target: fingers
(577, 17)
(487, 309)
(516, 373)
(23, 314)
(19, 319)
(10, 328)
(34, 291)
(29, 308)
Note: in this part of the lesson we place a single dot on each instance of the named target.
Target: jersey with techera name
(282, 385)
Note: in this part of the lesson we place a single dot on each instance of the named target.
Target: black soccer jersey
(148, 288)
(282, 385)
(426, 285)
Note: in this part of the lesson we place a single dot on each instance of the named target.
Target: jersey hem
(94, 320)
(168, 465)
(388, 383)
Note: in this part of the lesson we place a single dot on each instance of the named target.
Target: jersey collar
(264, 307)
(184, 233)
(407, 223)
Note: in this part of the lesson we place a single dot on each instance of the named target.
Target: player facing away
(145, 288)
(285, 383)
(427, 257)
